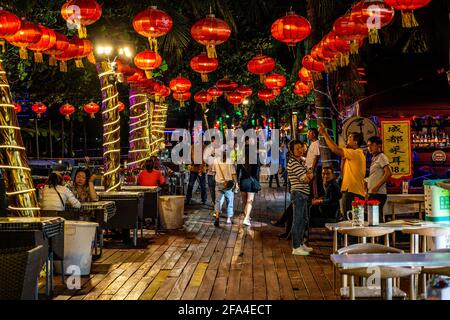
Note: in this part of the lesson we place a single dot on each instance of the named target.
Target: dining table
(430, 259)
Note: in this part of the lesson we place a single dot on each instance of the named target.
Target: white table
(390, 260)
(404, 208)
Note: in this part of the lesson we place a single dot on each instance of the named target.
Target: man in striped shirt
(299, 178)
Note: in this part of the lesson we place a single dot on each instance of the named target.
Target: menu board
(396, 135)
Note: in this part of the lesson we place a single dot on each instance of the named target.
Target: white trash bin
(171, 210)
(79, 239)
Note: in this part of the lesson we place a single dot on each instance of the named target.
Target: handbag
(229, 183)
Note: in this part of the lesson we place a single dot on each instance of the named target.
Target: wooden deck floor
(204, 262)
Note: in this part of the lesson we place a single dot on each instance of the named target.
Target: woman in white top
(55, 196)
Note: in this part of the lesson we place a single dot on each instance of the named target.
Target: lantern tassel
(374, 36)
(79, 63)
(3, 45)
(182, 104)
(52, 61)
(204, 77)
(148, 74)
(214, 99)
(92, 116)
(62, 66)
(23, 54)
(67, 117)
(157, 98)
(38, 57)
(91, 58)
(354, 47)
(153, 44)
(211, 51)
(82, 32)
(408, 19)
(262, 78)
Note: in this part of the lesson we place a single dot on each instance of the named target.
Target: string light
(139, 130)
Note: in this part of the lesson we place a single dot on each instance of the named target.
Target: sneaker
(299, 252)
(229, 221)
(306, 248)
(246, 222)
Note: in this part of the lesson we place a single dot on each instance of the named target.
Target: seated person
(328, 205)
(54, 196)
(164, 170)
(83, 186)
(150, 177)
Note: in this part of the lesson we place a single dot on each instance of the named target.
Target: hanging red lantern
(148, 60)
(9, 25)
(211, 32)
(246, 91)
(275, 81)
(204, 65)
(407, 8)
(47, 40)
(203, 98)
(301, 89)
(182, 97)
(180, 84)
(85, 49)
(66, 110)
(28, 34)
(39, 108)
(337, 45)
(276, 91)
(305, 75)
(91, 108)
(291, 29)
(376, 14)
(348, 28)
(124, 68)
(215, 93)
(61, 45)
(152, 23)
(261, 65)
(235, 98)
(81, 13)
(138, 76)
(312, 65)
(17, 107)
(266, 95)
(163, 93)
(227, 85)
(120, 106)
(68, 54)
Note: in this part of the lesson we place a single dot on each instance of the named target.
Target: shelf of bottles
(430, 133)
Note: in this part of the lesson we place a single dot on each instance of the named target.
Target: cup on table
(405, 187)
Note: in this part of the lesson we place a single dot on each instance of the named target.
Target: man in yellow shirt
(353, 168)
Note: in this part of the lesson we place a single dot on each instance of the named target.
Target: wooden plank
(205, 290)
(259, 279)
(286, 292)
(270, 271)
(154, 285)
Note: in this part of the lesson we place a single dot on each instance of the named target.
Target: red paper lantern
(407, 7)
(152, 23)
(266, 95)
(275, 81)
(9, 25)
(348, 28)
(81, 13)
(227, 85)
(211, 32)
(312, 65)
(276, 91)
(337, 45)
(204, 65)
(85, 49)
(66, 110)
(163, 92)
(47, 40)
(291, 29)
(148, 60)
(180, 84)
(91, 108)
(124, 68)
(261, 65)
(120, 106)
(246, 91)
(17, 107)
(182, 97)
(61, 45)
(39, 108)
(305, 75)
(28, 34)
(376, 14)
(235, 98)
(138, 76)
(203, 98)
(68, 54)
(301, 89)
(215, 93)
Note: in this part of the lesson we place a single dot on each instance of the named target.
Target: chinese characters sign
(396, 136)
